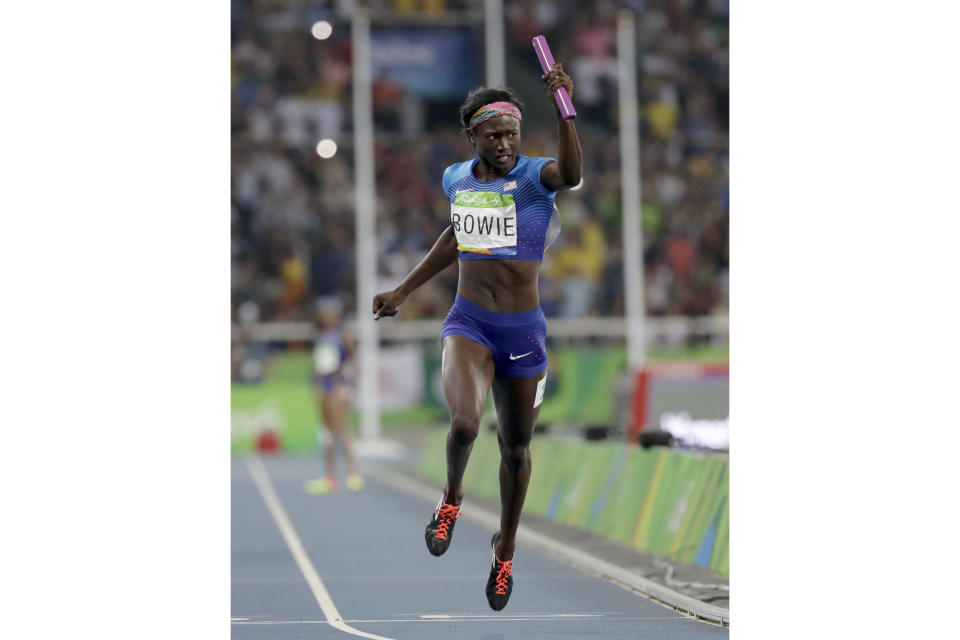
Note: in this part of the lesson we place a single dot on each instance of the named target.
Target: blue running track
(367, 549)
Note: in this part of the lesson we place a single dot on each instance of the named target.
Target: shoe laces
(505, 571)
(448, 513)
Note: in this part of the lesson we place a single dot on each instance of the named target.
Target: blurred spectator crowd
(292, 214)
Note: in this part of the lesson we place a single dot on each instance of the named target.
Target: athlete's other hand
(385, 304)
(555, 79)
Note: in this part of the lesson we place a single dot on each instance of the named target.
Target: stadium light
(326, 148)
(321, 29)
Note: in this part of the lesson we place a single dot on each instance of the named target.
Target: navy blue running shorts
(516, 340)
(328, 382)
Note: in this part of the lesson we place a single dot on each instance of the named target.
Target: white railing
(659, 330)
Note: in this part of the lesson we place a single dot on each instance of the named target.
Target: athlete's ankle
(502, 551)
(457, 498)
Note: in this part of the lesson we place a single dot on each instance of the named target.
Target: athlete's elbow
(572, 178)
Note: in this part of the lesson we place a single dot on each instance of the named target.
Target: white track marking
(262, 480)
(582, 560)
(533, 618)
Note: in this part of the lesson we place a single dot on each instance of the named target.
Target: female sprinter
(333, 373)
(502, 216)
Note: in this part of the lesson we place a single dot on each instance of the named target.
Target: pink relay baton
(546, 63)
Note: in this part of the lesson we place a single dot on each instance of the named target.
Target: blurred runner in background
(333, 376)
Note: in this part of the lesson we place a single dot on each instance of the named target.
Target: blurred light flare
(321, 29)
(326, 148)
(248, 312)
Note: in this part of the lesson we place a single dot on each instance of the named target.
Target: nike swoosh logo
(513, 357)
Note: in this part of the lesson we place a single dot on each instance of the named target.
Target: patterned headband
(493, 110)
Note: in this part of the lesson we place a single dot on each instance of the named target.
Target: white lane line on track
(269, 495)
(444, 616)
(459, 619)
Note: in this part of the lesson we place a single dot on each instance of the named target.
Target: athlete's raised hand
(555, 79)
(386, 304)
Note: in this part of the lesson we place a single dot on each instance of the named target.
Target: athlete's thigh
(335, 404)
(467, 375)
(514, 399)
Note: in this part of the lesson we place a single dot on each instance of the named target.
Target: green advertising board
(672, 503)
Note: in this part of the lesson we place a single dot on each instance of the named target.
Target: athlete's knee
(464, 429)
(514, 454)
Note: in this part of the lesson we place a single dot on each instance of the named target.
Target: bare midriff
(504, 286)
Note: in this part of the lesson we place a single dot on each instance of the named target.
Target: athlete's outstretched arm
(565, 173)
(441, 256)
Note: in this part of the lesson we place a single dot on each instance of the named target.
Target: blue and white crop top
(511, 218)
